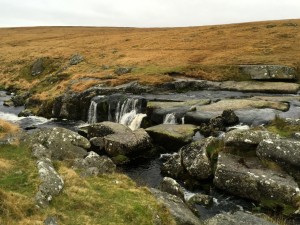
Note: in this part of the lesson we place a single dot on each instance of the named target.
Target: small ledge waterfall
(169, 118)
(92, 114)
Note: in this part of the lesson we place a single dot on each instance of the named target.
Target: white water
(169, 119)
(26, 121)
(128, 114)
(92, 114)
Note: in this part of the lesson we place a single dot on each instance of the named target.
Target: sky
(143, 13)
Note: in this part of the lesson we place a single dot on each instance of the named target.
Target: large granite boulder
(173, 166)
(269, 72)
(283, 152)
(172, 136)
(63, 144)
(195, 160)
(178, 209)
(93, 165)
(237, 218)
(106, 128)
(248, 178)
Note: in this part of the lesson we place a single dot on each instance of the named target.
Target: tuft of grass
(283, 127)
(7, 128)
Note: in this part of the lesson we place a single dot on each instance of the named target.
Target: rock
(238, 104)
(25, 113)
(283, 152)
(297, 135)
(173, 167)
(106, 128)
(171, 186)
(247, 139)
(181, 213)
(200, 117)
(247, 178)
(37, 67)
(269, 72)
(39, 151)
(200, 199)
(172, 136)
(195, 160)
(93, 164)
(8, 103)
(63, 144)
(51, 183)
(237, 218)
(217, 124)
(230, 118)
(76, 59)
(51, 220)
(256, 117)
(19, 100)
(122, 70)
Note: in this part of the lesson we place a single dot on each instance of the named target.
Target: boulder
(230, 118)
(171, 186)
(51, 182)
(106, 128)
(51, 220)
(122, 70)
(195, 160)
(8, 103)
(248, 178)
(283, 152)
(25, 113)
(237, 218)
(200, 199)
(181, 213)
(37, 67)
(269, 72)
(173, 166)
(247, 139)
(20, 99)
(172, 136)
(63, 144)
(93, 164)
(76, 59)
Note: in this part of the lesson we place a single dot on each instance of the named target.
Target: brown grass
(7, 128)
(150, 51)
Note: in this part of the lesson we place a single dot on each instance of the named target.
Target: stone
(180, 212)
(200, 199)
(173, 167)
(269, 72)
(122, 70)
(106, 128)
(8, 103)
(51, 182)
(25, 113)
(195, 160)
(37, 67)
(172, 187)
(172, 136)
(51, 220)
(93, 165)
(247, 139)
(230, 118)
(284, 152)
(237, 218)
(63, 144)
(20, 99)
(39, 151)
(248, 178)
(76, 59)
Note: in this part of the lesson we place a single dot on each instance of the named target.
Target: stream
(148, 172)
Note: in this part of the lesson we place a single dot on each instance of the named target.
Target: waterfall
(169, 118)
(182, 120)
(92, 114)
(128, 113)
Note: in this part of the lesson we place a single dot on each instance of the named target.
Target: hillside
(208, 52)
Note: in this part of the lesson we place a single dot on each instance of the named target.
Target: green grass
(282, 127)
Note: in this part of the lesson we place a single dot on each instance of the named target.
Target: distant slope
(202, 51)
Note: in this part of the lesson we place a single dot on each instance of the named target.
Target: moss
(277, 206)
(213, 150)
(283, 127)
(120, 159)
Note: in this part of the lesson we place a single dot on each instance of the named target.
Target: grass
(7, 128)
(156, 54)
(108, 199)
(283, 127)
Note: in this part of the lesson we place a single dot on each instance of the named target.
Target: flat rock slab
(247, 178)
(189, 103)
(263, 87)
(236, 104)
(237, 218)
(172, 136)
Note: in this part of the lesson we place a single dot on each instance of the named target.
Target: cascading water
(169, 118)
(92, 114)
(128, 113)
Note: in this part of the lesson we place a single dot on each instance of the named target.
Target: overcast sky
(142, 13)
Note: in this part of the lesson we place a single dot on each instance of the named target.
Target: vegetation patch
(283, 127)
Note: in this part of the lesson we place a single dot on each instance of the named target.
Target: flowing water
(169, 118)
